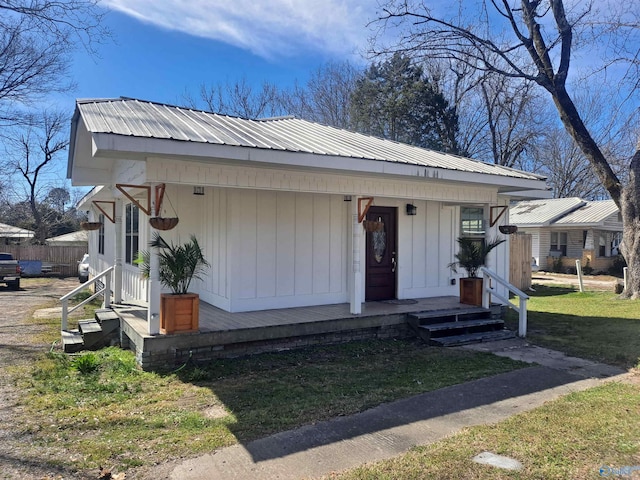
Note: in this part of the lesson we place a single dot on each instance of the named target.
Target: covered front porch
(222, 334)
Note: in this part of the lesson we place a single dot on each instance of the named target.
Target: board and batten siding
(290, 249)
(425, 248)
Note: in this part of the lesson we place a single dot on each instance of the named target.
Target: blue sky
(163, 48)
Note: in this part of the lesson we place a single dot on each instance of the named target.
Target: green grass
(572, 437)
(595, 325)
(101, 407)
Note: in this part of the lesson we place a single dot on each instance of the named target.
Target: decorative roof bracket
(362, 213)
(501, 208)
(122, 187)
(99, 205)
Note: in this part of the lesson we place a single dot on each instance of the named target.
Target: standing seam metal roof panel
(591, 213)
(541, 212)
(146, 119)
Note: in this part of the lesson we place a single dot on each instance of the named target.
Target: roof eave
(117, 146)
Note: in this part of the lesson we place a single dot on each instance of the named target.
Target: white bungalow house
(278, 205)
(564, 230)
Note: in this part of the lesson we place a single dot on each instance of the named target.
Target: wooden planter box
(471, 291)
(179, 313)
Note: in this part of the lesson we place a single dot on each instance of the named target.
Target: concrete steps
(459, 326)
(94, 333)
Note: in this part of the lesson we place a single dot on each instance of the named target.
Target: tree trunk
(630, 210)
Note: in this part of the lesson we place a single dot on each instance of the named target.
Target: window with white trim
(101, 235)
(132, 214)
(559, 243)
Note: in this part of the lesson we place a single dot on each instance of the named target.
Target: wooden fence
(520, 264)
(59, 261)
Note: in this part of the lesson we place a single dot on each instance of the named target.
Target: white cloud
(268, 28)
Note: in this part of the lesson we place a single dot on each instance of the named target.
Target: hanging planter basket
(90, 225)
(508, 229)
(162, 223)
(373, 226)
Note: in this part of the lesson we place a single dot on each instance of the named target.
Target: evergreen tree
(395, 100)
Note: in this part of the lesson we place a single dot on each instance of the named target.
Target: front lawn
(572, 437)
(105, 411)
(594, 325)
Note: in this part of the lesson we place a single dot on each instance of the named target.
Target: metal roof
(138, 118)
(73, 237)
(590, 214)
(9, 231)
(542, 212)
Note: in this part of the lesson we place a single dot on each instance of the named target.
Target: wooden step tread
(70, 337)
(448, 313)
(456, 340)
(461, 324)
(89, 326)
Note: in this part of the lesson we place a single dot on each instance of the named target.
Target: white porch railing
(489, 290)
(106, 290)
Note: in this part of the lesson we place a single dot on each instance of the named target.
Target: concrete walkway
(391, 429)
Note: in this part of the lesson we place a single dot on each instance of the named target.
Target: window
(559, 243)
(101, 235)
(602, 246)
(131, 233)
(472, 221)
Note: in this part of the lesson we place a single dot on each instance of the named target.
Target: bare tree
(498, 117)
(326, 97)
(239, 99)
(32, 151)
(36, 39)
(543, 38)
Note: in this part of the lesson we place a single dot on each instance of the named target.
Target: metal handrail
(106, 274)
(489, 291)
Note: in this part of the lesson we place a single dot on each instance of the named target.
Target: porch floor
(213, 319)
(231, 334)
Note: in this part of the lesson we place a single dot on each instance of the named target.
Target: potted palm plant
(178, 265)
(472, 254)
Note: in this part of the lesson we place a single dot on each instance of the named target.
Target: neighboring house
(73, 239)
(277, 205)
(10, 235)
(564, 230)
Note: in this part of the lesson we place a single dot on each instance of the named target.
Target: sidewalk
(392, 429)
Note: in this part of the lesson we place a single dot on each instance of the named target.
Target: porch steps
(459, 326)
(93, 334)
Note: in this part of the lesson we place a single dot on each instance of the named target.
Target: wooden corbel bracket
(103, 206)
(123, 188)
(501, 208)
(362, 212)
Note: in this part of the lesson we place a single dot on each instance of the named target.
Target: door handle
(393, 262)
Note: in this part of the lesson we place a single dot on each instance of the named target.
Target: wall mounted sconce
(198, 190)
(347, 198)
(411, 209)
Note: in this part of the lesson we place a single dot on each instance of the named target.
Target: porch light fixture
(411, 209)
(198, 190)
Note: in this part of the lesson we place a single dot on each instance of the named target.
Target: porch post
(154, 287)
(117, 261)
(355, 292)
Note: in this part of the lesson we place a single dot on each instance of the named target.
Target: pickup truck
(10, 271)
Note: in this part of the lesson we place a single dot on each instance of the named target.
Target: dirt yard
(590, 282)
(19, 458)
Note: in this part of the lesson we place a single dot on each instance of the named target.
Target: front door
(380, 277)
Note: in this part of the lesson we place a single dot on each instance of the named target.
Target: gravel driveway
(19, 458)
